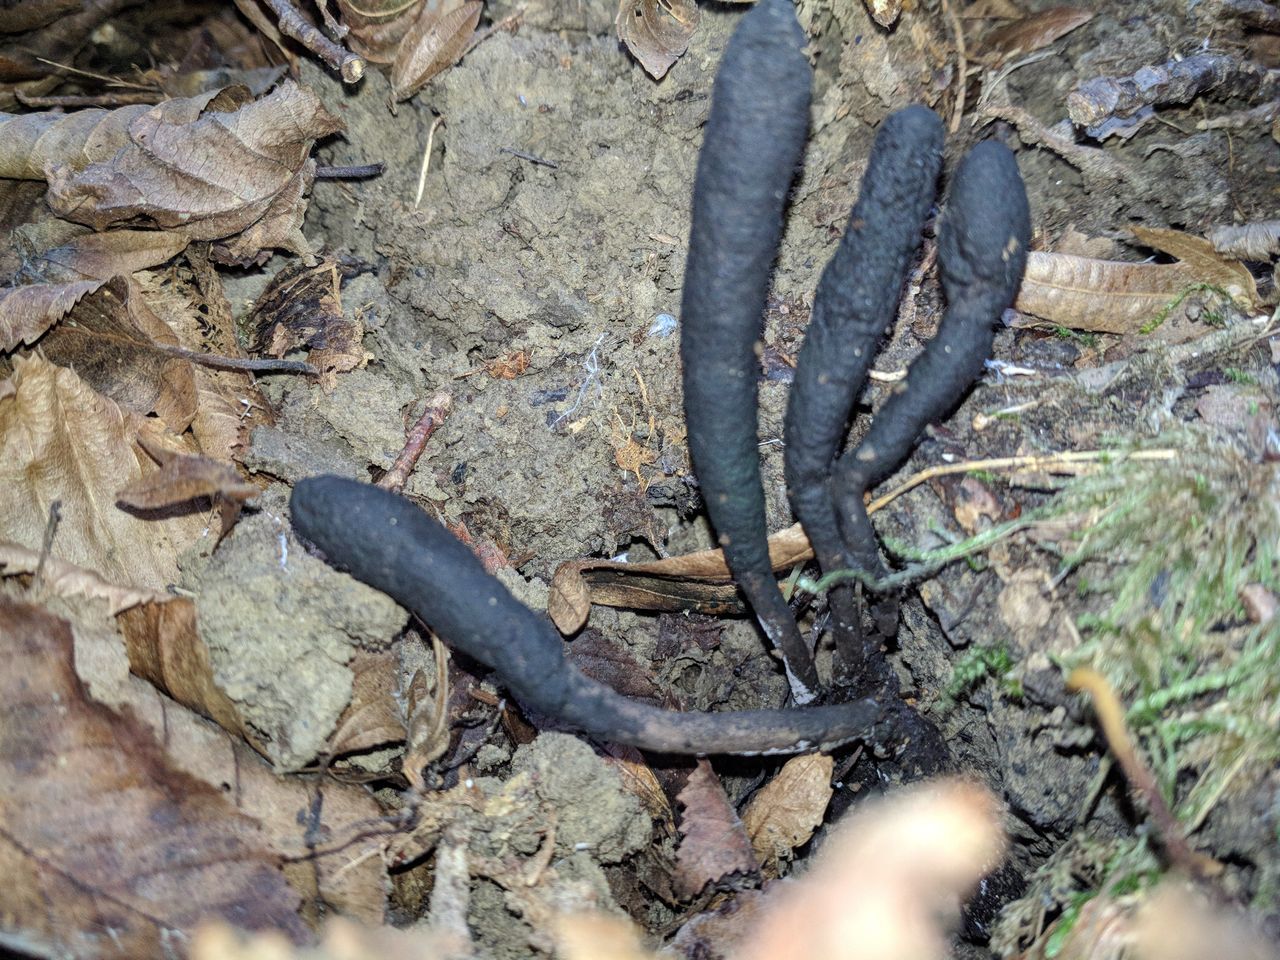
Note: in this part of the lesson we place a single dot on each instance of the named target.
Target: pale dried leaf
(638, 778)
(101, 256)
(1036, 31)
(884, 12)
(1204, 262)
(164, 647)
(229, 403)
(343, 940)
(886, 881)
(1104, 296)
(27, 312)
(105, 847)
(117, 345)
(784, 813)
(372, 718)
(182, 478)
(352, 882)
(435, 42)
(64, 579)
(715, 844)
(696, 581)
(205, 168)
(657, 32)
(60, 440)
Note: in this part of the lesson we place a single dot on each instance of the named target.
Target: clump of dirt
(280, 626)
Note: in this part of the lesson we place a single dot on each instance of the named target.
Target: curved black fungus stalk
(389, 543)
(982, 251)
(856, 301)
(753, 141)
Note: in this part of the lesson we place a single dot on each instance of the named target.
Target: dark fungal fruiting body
(856, 300)
(752, 144)
(387, 542)
(982, 251)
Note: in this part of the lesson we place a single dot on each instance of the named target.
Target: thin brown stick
(437, 409)
(1110, 714)
(245, 364)
(294, 24)
(962, 65)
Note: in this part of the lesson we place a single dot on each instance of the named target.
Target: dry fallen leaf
(302, 818)
(657, 32)
(219, 166)
(27, 312)
(60, 440)
(595, 936)
(117, 345)
(101, 256)
(105, 847)
(61, 579)
(435, 42)
(1036, 31)
(1103, 296)
(164, 647)
(301, 309)
(372, 718)
(184, 477)
(696, 581)
(1206, 264)
(229, 404)
(377, 26)
(784, 813)
(714, 844)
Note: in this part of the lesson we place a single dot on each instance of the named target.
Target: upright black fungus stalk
(856, 301)
(389, 543)
(753, 141)
(982, 251)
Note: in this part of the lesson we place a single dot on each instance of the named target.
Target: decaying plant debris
(191, 322)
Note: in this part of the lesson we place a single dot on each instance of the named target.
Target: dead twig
(1110, 714)
(437, 410)
(293, 24)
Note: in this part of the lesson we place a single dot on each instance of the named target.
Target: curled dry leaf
(715, 845)
(60, 440)
(301, 309)
(185, 477)
(1103, 296)
(784, 813)
(133, 853)
(1247, 241)
(62, 579)
(118, 346)
(435, 42)
(427, 719)
(116, 253)
(1205, 263)
(164, 647)
(1033, 32)
(27, 312)
(219, 166)
(696, 581)
(376, 27)
(657, 32)
(1112, 296)
(372, 718)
